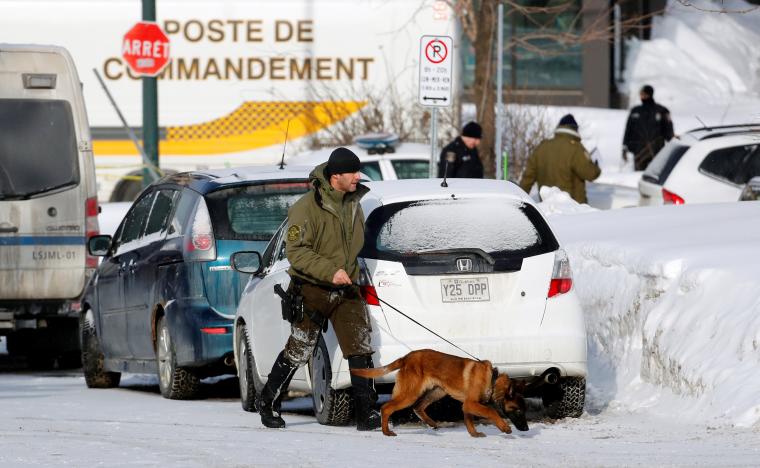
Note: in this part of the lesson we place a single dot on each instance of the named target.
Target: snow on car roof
(391, 191)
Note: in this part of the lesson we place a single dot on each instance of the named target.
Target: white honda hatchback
(471, 269)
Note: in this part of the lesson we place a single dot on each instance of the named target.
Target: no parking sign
(436, 59)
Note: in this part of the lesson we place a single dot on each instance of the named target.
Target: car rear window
(503, 229)
(38, 149)
(736, 164)
(663, 163)
(411, 169)
(253, 212)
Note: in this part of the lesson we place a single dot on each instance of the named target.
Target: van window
(372, 170)
(253, 212)
(734, 165)
(38, 149)
(663, 163)
(134, 222)
(411, 169)
(159, 214)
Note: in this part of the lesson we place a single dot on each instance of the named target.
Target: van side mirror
(99, 245)
(247, 262)
(751, 190)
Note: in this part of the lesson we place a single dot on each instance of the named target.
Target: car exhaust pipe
(551, 377)
(229, 360)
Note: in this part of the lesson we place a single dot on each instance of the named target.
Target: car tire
(250, 384)
(176, 383)
(95, 375)
(566, 399)
(331, 407)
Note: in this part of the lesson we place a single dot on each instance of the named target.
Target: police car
(475, 262)
(382, 157)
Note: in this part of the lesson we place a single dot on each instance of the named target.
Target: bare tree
(479, 23)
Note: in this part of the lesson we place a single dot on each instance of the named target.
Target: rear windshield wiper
(479, 252)
(46, 190)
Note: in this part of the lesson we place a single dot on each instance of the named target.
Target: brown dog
(426, 376)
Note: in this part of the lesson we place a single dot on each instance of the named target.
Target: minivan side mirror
(751, 190)
(99, 245)
(247, 262)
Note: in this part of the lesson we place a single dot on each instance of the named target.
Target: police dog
(425, 376)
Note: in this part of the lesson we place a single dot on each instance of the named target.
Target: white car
(407, 161)
(475, 262)
(705, 165)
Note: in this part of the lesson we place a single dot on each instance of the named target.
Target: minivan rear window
(663, 163)
(38, 149)
(253, 212)
(501, 228)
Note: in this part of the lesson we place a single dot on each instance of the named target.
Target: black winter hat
(568, 121)
(648, 90)
(472, 130)
(342, 160)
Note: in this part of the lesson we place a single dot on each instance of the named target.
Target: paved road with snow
(52, 419)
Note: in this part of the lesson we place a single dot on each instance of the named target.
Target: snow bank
(702, 65)
(672, 308)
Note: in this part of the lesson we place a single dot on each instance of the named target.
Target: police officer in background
(324, 235)
(460, 157)
(562, 162)
(649, 127)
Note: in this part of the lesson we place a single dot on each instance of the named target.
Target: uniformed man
(561, 162)
(325, 233)
(648, 128)
(460, 157)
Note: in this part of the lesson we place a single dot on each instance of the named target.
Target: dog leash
(418, 323)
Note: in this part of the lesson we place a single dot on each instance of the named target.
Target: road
(52, 419)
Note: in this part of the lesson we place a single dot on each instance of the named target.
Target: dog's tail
(378, 371)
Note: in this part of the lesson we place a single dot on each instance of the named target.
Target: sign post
(145, 48)
(436, 65)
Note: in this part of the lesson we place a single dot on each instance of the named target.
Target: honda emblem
(464, 264)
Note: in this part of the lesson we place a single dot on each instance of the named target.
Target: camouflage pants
(347, 314)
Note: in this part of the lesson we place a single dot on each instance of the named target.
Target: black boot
(268, 401)
(367, 417)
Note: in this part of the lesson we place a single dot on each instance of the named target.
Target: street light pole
(150, 106)
(499, 93)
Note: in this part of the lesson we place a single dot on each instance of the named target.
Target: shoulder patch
(294, 233)
(451, 156)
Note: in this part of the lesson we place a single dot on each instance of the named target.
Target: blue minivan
(164, 296)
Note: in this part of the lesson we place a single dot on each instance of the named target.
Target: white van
(48, 202)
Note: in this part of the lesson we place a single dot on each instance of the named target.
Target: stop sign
(146, 49)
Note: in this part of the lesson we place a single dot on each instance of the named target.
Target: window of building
(541, 61)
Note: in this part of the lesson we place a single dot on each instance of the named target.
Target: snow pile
(701, 64)
(672, 308)
(554, 201)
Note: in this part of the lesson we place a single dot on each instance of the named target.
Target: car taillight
(92, 228)
(370, 295)
(201, 244)
(562, 276)
(670, 198)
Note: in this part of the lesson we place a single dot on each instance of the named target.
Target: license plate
(465, 290)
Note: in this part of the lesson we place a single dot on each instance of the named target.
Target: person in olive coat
(324, 236)
(460, 158)
(648, 128)
(561, 162)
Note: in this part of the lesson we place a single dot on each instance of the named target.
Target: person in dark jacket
(460, 158)
(561, 162)
(324, 236)
(648, 128)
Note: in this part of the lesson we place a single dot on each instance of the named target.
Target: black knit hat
(472, 130)
(648, 90)
(568, 121)
(342, 160)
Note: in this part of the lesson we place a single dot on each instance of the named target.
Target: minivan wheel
(95, 375)
(248, 377)
(565, 399)
(331, 407)
(175, 383)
